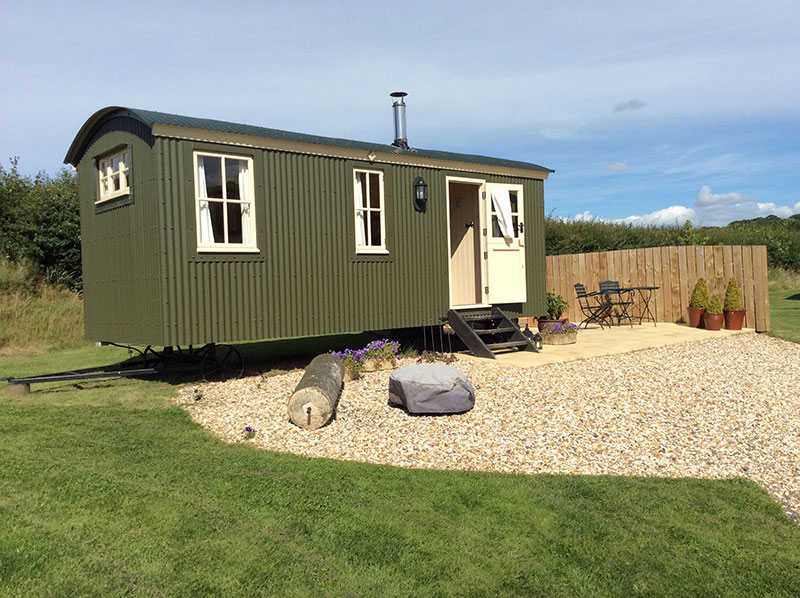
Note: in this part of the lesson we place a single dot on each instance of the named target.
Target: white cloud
(583, 217)
(718, 209)
(615, 167)
(632, 104)
(666, 217)
(709, 209)
(707, 199)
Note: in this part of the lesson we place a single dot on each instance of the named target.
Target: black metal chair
(595, 306)
(619, 300)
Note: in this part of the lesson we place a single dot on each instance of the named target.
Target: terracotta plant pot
(713, 321)
(544, 323)
(696, 317)
(734, 318)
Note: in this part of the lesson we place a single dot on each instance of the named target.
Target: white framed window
(224, 202)
(369, 211)
(506, 209)
(113, 171)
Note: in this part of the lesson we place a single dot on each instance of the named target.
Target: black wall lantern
(420, 194)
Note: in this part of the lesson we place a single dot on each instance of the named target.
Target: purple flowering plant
(559, 328)
(379, 350)
(249, 432)
(382, 350)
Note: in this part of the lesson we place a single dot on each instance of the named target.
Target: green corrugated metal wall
(146, 283)
(119, 245)
(307, 279)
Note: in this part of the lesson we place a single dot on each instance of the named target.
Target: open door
(464, 215)
(505, 243)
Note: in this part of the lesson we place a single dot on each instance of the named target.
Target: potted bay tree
(698, 301)
(713, 317)
(733, 309)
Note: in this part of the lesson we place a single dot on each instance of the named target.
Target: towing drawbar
(212, 362)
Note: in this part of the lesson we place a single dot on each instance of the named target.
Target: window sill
(115, 195)
(372, 252)
(383, 256)
(228, 249)
(109, 203)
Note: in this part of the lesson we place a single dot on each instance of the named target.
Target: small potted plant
(556, 306)
(713, 317)
(560, 334)
(698, 302)
(734, 314)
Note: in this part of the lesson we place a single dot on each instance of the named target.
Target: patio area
(595, 342)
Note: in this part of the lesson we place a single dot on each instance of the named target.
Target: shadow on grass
(261, 357)
(795, 297)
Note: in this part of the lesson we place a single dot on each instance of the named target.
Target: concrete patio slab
(594, 342)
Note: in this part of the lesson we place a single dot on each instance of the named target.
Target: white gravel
(717, 408)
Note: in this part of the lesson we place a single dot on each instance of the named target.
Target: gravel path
(717, 408)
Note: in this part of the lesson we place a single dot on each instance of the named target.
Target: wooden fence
(674, 270)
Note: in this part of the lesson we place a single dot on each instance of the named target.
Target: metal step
(493, 330)
(501, 328)
(507, 345)
(481, 317)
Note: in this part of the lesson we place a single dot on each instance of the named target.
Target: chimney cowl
(399, 107)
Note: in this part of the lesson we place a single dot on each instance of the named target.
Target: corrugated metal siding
(121, 279)
(307, 279)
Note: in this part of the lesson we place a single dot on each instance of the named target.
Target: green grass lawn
(109, 490)
(784, 312)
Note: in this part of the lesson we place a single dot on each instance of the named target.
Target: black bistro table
(642, 297)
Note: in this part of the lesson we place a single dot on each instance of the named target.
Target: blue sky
(650, 112)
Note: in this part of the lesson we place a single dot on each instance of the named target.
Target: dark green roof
(151, 118)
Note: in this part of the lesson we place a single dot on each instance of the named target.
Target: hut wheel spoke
(222, 362)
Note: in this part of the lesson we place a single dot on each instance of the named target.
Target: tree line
(40, 224)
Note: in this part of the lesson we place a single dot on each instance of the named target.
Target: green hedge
(780, 235)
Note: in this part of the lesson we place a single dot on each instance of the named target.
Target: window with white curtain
(224, 202)
(505, 213)
(113, 172)
(369, 211)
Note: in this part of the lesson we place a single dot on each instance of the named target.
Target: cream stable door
(505, 243)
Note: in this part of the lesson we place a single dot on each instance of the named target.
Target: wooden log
(313, 403)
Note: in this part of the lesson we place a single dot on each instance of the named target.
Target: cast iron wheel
(151, 357)
(221, 362)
